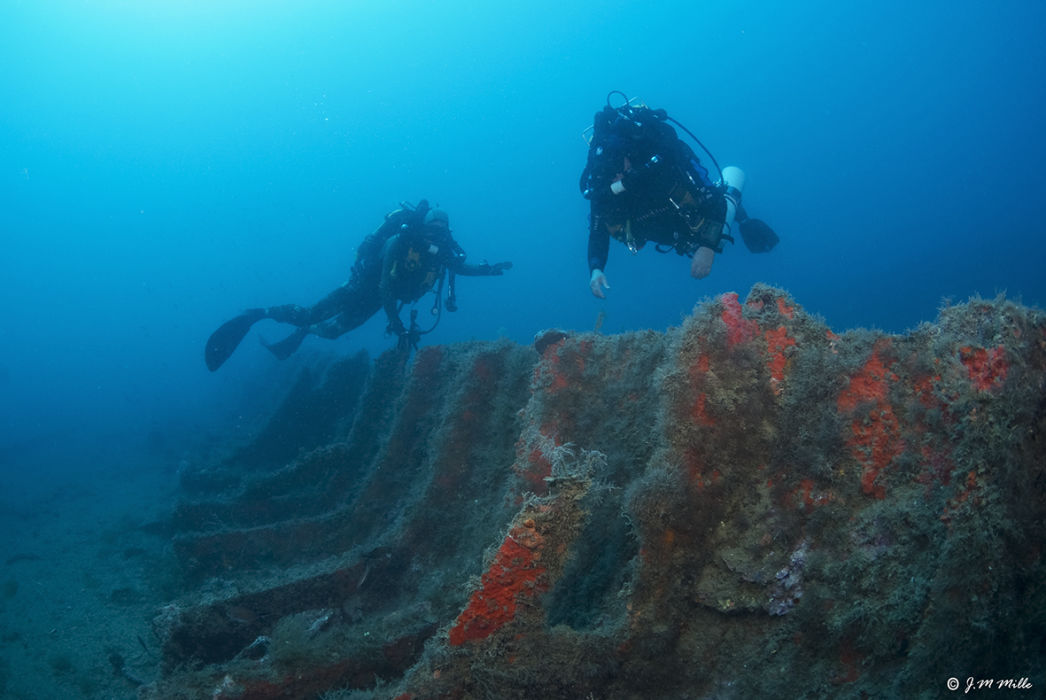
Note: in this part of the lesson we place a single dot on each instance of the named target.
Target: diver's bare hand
(597, 283)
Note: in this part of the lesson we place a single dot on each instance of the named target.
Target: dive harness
(677, 201)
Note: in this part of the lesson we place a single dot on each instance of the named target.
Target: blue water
(167, 164)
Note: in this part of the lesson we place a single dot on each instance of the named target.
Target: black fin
(224, 341)
(282, 349)
(758, 237)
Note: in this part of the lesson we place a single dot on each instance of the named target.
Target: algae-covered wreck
(746, 506)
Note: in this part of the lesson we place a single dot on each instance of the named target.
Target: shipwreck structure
(749, 505)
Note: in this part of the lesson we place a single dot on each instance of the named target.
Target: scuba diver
(401, 261)
(645, 184)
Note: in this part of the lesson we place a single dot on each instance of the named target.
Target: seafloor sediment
(746, 506)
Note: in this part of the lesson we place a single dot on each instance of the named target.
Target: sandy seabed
(83, 569)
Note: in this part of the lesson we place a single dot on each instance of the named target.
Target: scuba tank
(733, 183)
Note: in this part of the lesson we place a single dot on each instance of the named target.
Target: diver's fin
(758, 237)
(224, 341)
(282, 349)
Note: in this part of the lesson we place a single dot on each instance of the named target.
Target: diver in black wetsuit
(645, 184)
(411, 251)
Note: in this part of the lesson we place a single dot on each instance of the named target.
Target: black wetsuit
(398, 263)
(667, 196)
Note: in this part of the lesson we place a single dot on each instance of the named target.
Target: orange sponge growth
(777, 340)
(738, 328)
(515, 573)
(875, 440)
(868, 385)
(987, 368)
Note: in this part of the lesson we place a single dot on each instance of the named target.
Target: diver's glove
(701, 263)
(396, 327)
